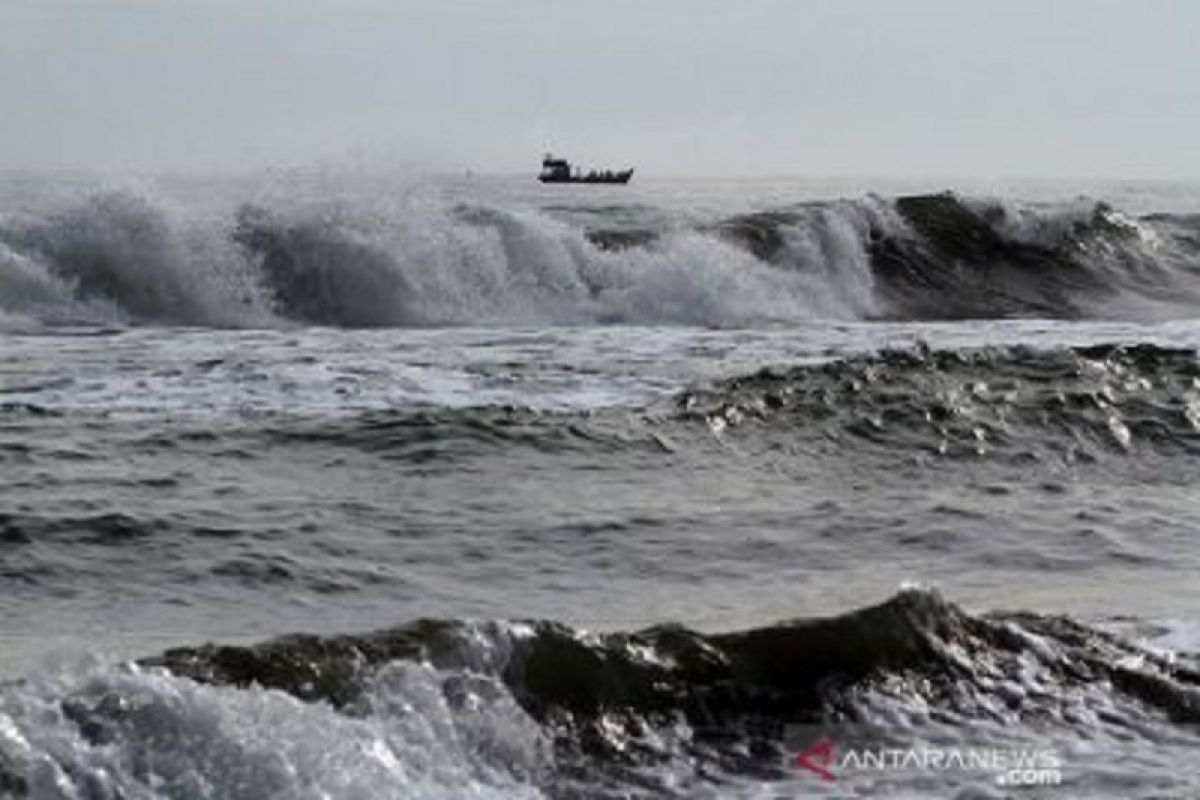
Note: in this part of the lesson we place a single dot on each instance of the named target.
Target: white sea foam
(104, 731)
(430, 255)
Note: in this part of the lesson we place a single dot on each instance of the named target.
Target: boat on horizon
(559, 170)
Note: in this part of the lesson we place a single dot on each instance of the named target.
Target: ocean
(339, 485)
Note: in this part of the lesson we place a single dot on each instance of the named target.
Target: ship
(559, 170)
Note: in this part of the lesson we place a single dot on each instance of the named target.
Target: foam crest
(430, 260)
(119, 254)
(102, 731)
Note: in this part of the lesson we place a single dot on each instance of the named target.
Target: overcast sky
(1016, 88)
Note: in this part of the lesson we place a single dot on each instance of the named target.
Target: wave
(116, 258)
(317, 271)
(789, 671)
(447, 708)
(122, 258)
(1017, 403)
(1013, 404)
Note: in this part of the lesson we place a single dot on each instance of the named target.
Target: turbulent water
(332, 486)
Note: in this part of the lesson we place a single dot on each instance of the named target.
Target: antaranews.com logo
(836, 752)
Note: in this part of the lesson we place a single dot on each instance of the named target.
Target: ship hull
(620, 177)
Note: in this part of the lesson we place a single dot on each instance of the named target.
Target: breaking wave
(121, 258)
(118, 258)
(447, 708)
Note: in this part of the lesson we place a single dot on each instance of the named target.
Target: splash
(125, 258)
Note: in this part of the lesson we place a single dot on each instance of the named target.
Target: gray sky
(1018, 88)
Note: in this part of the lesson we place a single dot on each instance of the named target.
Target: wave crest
(120, 256)
(604, 688)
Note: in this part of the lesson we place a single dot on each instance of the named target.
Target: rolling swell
(610, 707)
(123, 257)
(1016, 403)
(1013, 404)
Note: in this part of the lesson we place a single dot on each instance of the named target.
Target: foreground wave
(121, 258)
(446, 708)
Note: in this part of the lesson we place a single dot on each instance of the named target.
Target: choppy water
(541, 476)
